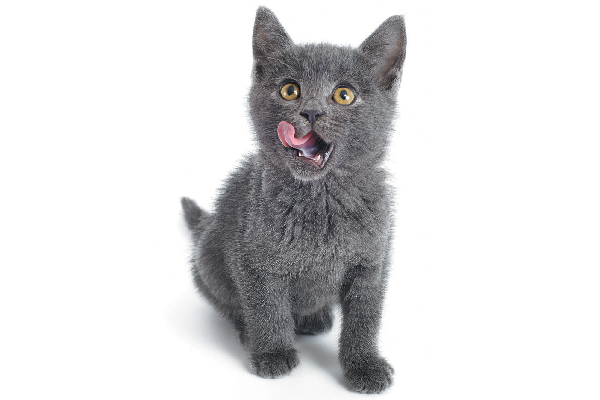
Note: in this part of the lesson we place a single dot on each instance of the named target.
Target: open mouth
(319, 157)
(310, 148)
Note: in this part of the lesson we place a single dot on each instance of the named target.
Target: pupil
(344, 95)
(291, 90)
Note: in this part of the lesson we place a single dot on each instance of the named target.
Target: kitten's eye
(290, 91)
(343, 95)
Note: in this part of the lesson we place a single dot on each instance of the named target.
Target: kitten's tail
(194, 215)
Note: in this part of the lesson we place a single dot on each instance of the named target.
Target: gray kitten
(306, 224)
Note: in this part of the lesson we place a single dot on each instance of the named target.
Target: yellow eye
(343, 95)
(290, 91)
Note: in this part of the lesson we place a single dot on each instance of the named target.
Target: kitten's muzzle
(311, 116)
(310, 148)
(319, 159)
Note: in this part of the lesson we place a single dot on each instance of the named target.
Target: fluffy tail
(194, 215)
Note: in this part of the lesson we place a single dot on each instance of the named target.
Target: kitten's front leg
(361, 300)
(269, 324)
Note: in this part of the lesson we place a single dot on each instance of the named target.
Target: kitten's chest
(321, 230)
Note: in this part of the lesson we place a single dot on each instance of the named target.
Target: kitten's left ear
(386, 49)
(269, 37)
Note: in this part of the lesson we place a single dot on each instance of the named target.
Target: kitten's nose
(311, 115)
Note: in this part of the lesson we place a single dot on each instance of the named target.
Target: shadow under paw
(373, 376)
(274, 365)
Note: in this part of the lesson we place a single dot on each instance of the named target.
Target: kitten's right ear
(385, 49)
(269, 37)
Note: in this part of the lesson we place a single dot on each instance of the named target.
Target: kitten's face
(332, 94)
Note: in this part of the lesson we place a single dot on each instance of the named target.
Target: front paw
(373, 375)
(274, 365)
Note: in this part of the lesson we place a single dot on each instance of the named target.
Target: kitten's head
(339, 100)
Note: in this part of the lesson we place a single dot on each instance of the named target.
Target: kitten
(306, 224)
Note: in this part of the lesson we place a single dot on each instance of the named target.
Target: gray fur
(288, 242)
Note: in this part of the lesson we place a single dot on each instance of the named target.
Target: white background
(112, 110)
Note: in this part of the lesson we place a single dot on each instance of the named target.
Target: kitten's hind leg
(230, 310)
(313, 324)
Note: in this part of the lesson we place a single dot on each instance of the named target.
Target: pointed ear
(386, 49)
(269, 36)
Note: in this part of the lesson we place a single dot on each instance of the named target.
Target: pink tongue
(307, 144)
